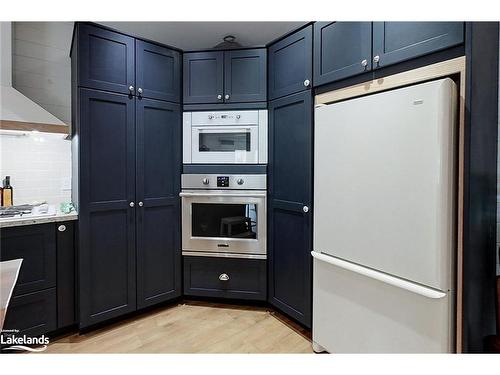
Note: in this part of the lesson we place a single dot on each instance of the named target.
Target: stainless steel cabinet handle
(223, 277)
(226, 97)
(131, 89)
(131, 204)
(219, 96)
(61, 228)
(139, 90)
(364, 63)
(307, 83)
(141, 204)
(305, 209)
(376, 59)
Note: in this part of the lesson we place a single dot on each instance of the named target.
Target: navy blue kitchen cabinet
(394, 42)
(203, 77)
(107, 206)
(230, 278)
(245, 76)
(106, 59)
(236, 76)
(290, 64)
(341, 50)
(158, 73)
(158, 162)
(44, 297)
(289, 205)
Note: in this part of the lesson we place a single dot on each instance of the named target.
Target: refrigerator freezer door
(354, 313)
(384, 182)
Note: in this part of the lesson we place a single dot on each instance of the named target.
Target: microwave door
(225, 144)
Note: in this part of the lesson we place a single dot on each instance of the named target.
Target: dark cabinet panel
(36, 245)
(106, 59)
(225, 278)
(290, 198)
(107, 221)
(158, 128)
(398, 41)
(290, 64)
(245, 76)
(203, 77)
(33, 314)
(66, 283)
(157, 72)
(341, 50)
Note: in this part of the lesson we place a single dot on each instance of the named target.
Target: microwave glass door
(225, 144)
(221, 220)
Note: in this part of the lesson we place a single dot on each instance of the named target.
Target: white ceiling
(201, 35)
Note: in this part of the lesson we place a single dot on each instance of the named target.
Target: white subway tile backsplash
(39, 165)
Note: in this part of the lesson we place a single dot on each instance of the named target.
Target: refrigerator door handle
(380, 276)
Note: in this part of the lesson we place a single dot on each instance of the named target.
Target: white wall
(39, 165)
(41, 64)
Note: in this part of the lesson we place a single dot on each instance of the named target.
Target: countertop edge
(40, 220)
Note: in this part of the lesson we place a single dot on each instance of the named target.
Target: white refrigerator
(385, 222)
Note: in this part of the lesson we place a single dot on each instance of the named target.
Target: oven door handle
(242, 195)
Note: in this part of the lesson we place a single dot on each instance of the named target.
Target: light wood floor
(193, 327)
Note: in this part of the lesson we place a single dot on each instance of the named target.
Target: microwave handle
(224, 194)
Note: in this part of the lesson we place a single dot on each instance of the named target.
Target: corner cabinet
(234, 76)
(290, 64)
(127, 158)
(289, 205)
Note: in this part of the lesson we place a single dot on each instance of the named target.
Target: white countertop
(27, 220)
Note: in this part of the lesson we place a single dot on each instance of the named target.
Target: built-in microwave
(231, 137)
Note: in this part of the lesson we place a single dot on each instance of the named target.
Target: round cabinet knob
(131, 89)
(226, 96)
(139, 90)
(141, 204)
(131, 204)
(364, 63)
(219, 96)
(240, 181)
(223, 277)
(61, 228)
(376, 59)
(205, 181)
(307, 83)
(305, 209)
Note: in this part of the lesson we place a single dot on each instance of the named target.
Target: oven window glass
(224, 220)
(224, 142)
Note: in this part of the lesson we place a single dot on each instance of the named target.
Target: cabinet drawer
(36, 245)
(204, 277)
(33, 314)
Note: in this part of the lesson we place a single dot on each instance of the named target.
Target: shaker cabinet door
(245, 76)
(341, 50)
(158, 129)
(398, 41)
(289, 208)
(203, 77)
(158, 73)
(290, 64)
(106, 60)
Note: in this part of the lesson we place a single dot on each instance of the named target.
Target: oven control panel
(231, 182)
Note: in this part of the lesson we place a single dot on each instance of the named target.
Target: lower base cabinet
(225, 278)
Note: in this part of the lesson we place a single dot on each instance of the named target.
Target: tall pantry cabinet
(126, 167)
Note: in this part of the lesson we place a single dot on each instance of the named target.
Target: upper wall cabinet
(245, 76)
(106, 59)
(203, 77)
(110, 61)
(158, 72)
(341, 50)
(237, 76)
(398, 41)
(290, 64)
